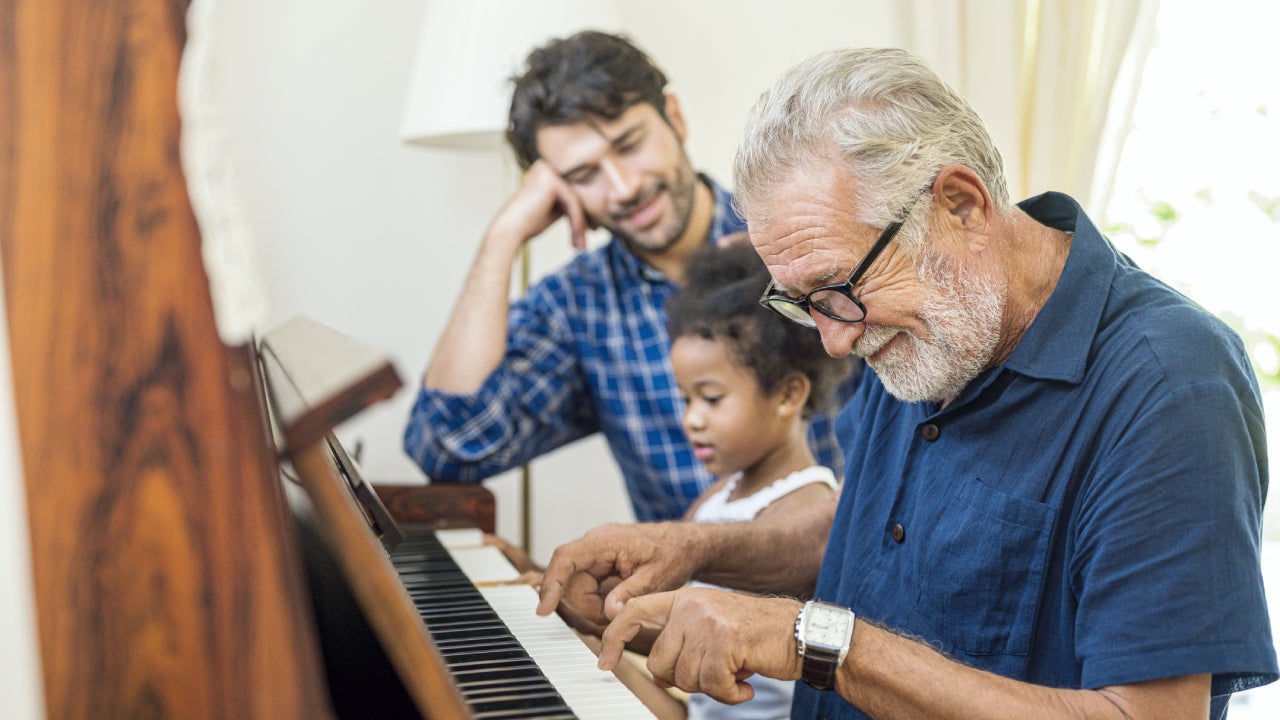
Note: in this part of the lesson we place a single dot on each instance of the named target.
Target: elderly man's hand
(595, 575)
(710, 641)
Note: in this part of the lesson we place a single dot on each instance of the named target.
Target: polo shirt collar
(1057, 345)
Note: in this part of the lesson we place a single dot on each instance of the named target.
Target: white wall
(20, 695)
(373, 237)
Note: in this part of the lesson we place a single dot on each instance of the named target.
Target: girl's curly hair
(719, 300)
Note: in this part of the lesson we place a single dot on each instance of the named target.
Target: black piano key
(493, 668)
(492, 687)
(484, 628)
(491, 643)
(538, 713)
(494, 674)
(541, 702)
(482, 685)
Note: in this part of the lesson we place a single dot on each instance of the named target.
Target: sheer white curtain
(1046, 76)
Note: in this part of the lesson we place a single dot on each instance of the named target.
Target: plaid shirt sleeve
(536, 401)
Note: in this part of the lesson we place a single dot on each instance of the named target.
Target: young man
(1057, 463)
(586, 350)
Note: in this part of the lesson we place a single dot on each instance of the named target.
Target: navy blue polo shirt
(1086, 514)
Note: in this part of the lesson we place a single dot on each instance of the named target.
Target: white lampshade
(460, 89)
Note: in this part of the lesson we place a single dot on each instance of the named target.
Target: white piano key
(563, 658)
(560, 654)
(484, 564)
(460, 537)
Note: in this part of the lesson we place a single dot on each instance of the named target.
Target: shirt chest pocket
(982, 569)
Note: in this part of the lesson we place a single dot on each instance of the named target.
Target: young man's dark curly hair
(575, 79)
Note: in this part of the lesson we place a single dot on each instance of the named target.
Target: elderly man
(586, 350)
(1055, 474)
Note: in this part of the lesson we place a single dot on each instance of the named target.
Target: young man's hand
(542, 198)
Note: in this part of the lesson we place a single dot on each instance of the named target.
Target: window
(1196, 197)
(1196, 201)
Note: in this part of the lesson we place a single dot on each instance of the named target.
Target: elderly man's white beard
(963, 319)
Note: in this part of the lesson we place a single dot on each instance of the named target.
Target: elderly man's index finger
(649, 612)
(552, 587)
(563, 566)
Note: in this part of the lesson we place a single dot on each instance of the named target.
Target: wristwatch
(823, 632)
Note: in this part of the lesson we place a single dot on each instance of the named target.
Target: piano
(414, 621)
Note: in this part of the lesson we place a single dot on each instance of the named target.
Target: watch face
(825, 626)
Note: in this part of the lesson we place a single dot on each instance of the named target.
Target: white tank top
(773, 697)
(719, 508)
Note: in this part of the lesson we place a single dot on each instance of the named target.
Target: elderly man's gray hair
(882, 113)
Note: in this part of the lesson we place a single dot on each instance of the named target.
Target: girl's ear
(794, 394)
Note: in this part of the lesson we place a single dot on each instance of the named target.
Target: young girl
(750, 380)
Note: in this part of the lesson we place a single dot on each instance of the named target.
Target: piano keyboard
(507, 662)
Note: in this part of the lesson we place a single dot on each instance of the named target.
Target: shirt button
(929, 432)
(898, 533)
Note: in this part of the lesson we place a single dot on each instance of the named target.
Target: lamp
(460, 91)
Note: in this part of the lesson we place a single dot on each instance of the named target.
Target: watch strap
(818, 669)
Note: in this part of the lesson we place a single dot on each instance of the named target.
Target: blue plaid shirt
(587, 351)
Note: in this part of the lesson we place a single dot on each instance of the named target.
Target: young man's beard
(661, 238)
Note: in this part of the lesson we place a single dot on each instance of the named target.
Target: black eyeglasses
(835, 301)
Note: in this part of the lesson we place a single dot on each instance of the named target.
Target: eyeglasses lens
(795, 313)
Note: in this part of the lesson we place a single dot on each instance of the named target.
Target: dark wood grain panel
(441, 506)
(166, 584)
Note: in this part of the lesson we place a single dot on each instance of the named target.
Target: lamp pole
(459, 92)
(526, 473)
